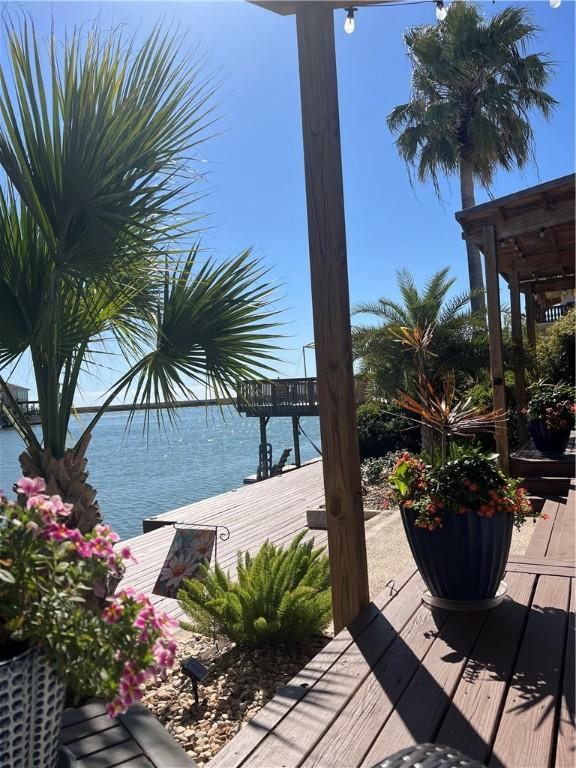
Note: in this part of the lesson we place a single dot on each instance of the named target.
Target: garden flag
(190, 548)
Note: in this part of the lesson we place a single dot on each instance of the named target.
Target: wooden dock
(273, 509)
(497, 685)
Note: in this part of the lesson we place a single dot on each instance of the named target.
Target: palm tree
(458, 341)
(96, 251)
(473, 88)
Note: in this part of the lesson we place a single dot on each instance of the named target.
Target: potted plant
(550, 413)
(60, 635)
(457, 507)
(458, 518)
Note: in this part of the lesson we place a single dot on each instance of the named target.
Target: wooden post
(263, 447)
(495, 339)
(296, 439)
(519, 378)
(331, 310)
(530, 316)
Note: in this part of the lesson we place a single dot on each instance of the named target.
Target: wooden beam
(516, 226)
(490, 248)
(331, 311)
(519, 377)
(290, 7)
(530, 315)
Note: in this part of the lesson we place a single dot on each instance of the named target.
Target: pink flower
(126, 554)
(112, 613)
(30, 486)
(84, 548)
(61, 532)
(115, 707)
(106, 532)
(101, 547)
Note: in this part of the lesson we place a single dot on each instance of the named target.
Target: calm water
(201, 455)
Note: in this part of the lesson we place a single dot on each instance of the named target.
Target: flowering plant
(53, 584)
(553, 404)
(469, 484)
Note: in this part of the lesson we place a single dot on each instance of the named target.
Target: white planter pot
(31, 706)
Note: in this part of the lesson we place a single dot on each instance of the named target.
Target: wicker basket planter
(547, 440)
(466, 558)
(31, 706)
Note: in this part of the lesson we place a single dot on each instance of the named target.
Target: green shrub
(282, 596)
(382, 428)
(375, 471)
(555, 351)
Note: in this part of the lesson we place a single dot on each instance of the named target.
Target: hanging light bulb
(441, 11)
(349, 24)
(555, 3)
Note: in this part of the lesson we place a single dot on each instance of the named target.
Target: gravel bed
(238, 685)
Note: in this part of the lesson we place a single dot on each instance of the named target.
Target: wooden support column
(331, 310)
(263, 447)
(296, 440)
(495, 338)
(519, 377)
(530, 316)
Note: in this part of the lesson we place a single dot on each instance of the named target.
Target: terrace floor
(497, 685)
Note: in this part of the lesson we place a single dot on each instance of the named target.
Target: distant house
(29, 407)
(20, 394)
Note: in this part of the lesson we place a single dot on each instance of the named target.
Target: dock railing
(278, 397)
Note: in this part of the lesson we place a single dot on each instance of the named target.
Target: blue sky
(254, 167)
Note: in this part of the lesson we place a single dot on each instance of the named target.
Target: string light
(349, 24)
(441, 11)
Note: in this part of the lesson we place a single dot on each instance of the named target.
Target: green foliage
(471, 483)
(382, 428)
(555, 351)
(281, 596)
(474, 87)
(553, 404)
(96, 135)
(459, 341)
(47, 583)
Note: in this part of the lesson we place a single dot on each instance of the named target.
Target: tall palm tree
(95, 243)
(473, 88)
(458, 341)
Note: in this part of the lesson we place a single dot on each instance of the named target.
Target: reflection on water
(202, 454)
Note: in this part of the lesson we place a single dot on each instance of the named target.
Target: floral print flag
(190, 548)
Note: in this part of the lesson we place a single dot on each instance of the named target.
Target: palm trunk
(66, 477)
(475, 273)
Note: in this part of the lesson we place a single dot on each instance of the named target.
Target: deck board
(526, 731)
(497, 685)
(566, 743)
(133, 740)
(472, 719)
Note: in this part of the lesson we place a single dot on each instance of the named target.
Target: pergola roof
(534, 232)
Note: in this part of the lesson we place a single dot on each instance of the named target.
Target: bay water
(205, 452)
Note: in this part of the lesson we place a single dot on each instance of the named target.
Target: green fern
(280, 596)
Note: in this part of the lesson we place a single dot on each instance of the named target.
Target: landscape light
(555, 3)
(441, 11)
(349, 24)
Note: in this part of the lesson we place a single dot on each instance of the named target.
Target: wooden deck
(134, 740)
(274, 509)
(497, 685)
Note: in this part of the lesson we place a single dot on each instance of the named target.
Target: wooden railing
(278, 397)
(553, 313)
